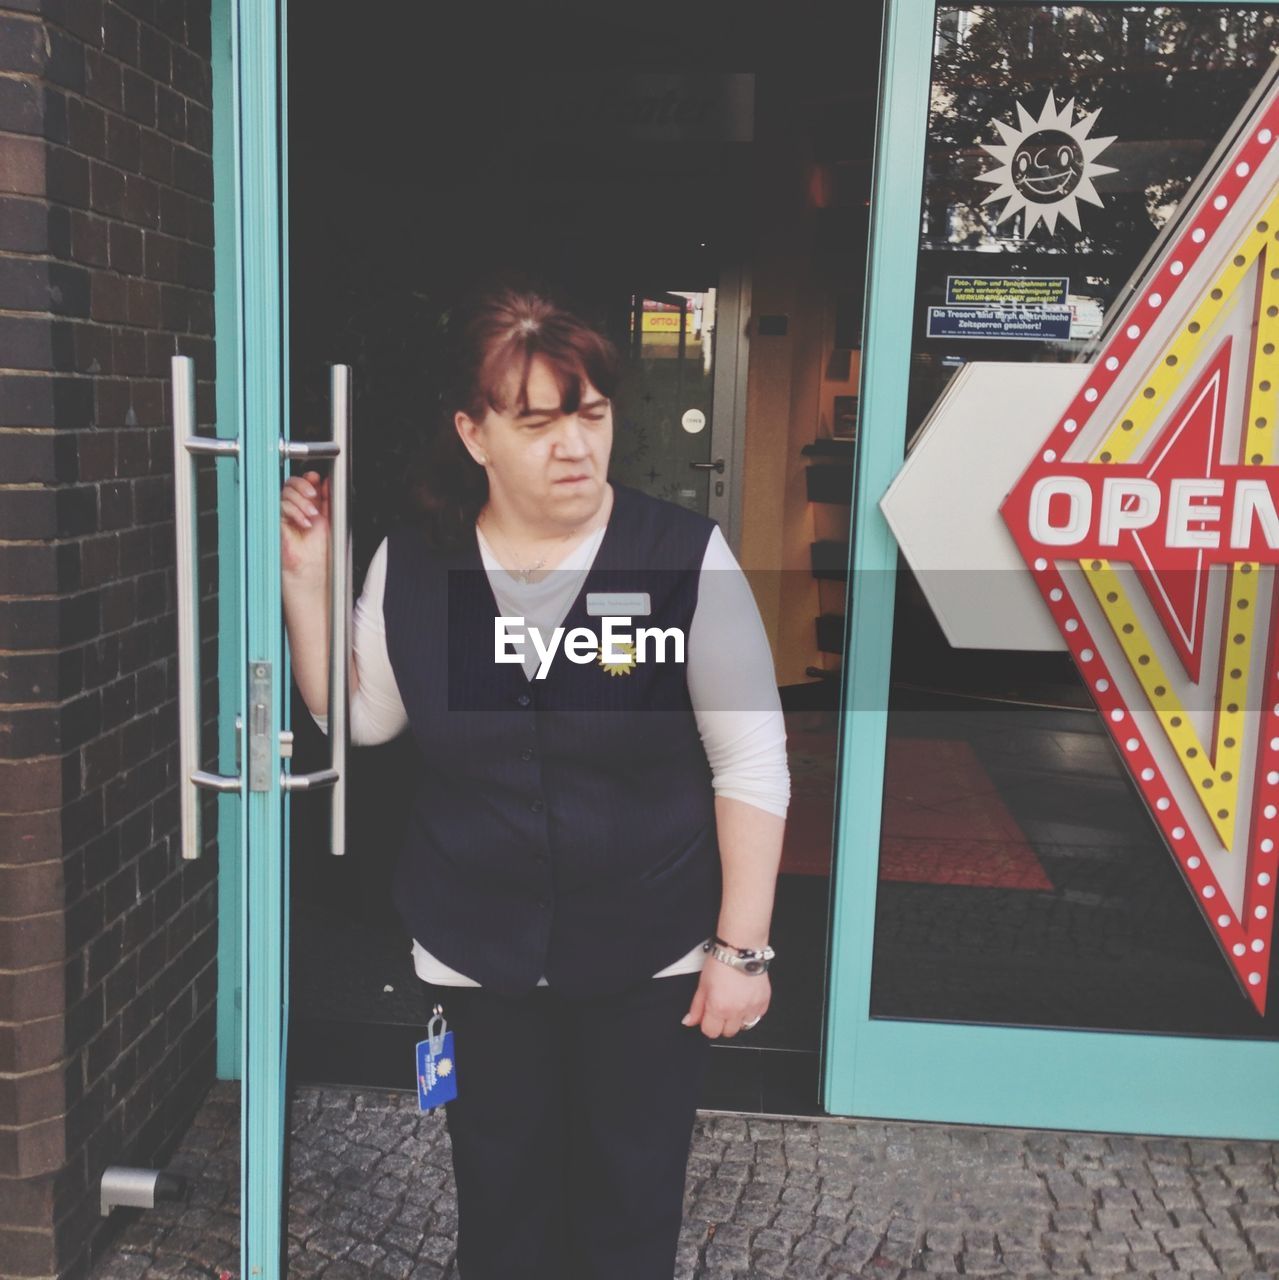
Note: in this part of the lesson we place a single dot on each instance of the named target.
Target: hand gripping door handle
(339, 449)
(187, 449)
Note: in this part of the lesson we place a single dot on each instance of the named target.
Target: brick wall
(107, 938)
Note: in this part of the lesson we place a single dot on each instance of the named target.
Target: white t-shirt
(729, 668)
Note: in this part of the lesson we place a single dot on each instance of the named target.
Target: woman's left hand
(725, 999)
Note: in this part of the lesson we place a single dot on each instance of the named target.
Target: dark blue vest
(563, 826)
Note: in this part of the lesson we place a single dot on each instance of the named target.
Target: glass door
(1015, 902)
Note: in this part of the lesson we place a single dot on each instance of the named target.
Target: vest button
(526, 754)
(535, 806)
(524, 699)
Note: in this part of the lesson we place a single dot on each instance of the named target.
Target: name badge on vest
(436, 1066)
(618, 604)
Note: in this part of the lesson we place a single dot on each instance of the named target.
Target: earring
(484, 459)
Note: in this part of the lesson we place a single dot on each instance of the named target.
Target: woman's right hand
(304, 527)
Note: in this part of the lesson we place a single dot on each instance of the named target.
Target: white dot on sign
(1132, 744)
(1269, 811)
(1253, 979)
(1050, 455)
(1272, 777)
(1091, 394)
(1258, 944)
(1085, 655)
(1274, 744)
(1239, 949)
(1163, 803)
(1193, 861)
(1220, 202)
(1070, 425)
(1267, 845)
(1112, 362)
(1155, 300)
(1177, 834)
(1263, 878)
(1264, 136)
(1117, 714)
(1242, 169)
(1147, 774)
(1177, 267)
(1055, 594)
(693, 421)
(1041, 564)
(1223, 921)
(1102, 685)
(1072, 624)
(1209, 891)
(1260, 912)
(1133, 331)
(1198, 235)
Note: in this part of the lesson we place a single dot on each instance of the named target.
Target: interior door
(682, 372)
(1018, 938)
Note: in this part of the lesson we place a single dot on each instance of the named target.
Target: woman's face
(543, 465)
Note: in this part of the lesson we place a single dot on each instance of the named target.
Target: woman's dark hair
(492, 340)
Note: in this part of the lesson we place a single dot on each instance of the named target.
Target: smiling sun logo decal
(1046, 166)
(626, 651)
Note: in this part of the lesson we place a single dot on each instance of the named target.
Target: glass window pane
(1022, 880)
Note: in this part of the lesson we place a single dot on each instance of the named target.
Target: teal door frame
(230, 543)
(250, 160)
(956, 1072)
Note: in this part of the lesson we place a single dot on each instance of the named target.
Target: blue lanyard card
(436, 1067)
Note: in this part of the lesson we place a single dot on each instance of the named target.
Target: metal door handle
(187, 448)
(339, 449)
(717, 465)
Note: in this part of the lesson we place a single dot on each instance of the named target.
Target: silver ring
(746, 1026)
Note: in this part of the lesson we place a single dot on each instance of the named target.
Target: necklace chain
(524, 573)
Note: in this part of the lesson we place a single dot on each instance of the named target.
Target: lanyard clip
(436, 1037)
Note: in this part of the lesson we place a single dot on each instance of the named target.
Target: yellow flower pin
(627, 665)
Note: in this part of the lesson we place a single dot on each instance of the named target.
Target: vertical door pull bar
(339, 449)
(187, 448)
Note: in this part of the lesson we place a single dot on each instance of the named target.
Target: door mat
(944, 822)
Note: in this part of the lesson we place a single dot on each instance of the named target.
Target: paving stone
(1195, 1260)
(124, 1266)
(768, 1263)
(1105, 1264)
(427, 1271)
(1264, 1235)
(802, 1270)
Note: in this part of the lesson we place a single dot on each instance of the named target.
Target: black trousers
(571, 1129)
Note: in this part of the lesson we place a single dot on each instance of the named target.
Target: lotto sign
(1149, 522)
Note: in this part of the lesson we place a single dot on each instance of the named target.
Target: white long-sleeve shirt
(729, 668)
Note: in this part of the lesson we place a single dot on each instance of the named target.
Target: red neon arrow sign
(1148, 522)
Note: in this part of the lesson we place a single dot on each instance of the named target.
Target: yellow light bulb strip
(1257, 450)
(1216, 792)
(1169, 373)
(1215, 776)
(1262, 396)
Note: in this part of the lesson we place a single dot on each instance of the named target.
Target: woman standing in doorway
(589, 868)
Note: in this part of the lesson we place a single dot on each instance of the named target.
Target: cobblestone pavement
(372, 1197)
